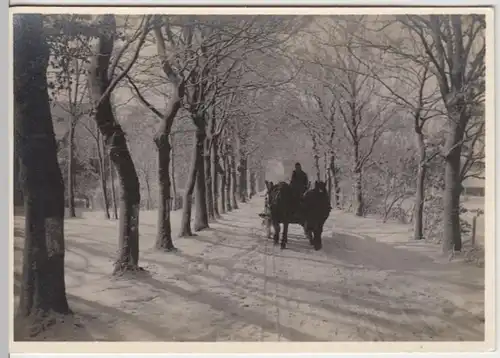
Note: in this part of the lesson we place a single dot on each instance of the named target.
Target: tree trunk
(174, 186)
(257, 181)
(330, 187)
(229, 183)
(242, 169)
(253, 191)
(316, 158)
(188, 193)
(71, 170)
(43, 287)
(317, 168)
(234, 183)
(358, 183)
(452, 239)
(214, 159)
(17, 187)
(102, 174)
(223, 185)
(207, 163)
(247, 180)
(162, 141)
(130, 197)
(261, 183)
(200, 214)
(148, 190)
(327, 175)
(328, 180)
(164, 233)
(418, 228)
(335, 182)
(113, 192)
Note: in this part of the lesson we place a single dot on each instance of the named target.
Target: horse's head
(320, 187)
(269, 185)
(322, 198)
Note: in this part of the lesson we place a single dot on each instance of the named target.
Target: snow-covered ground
(229, 283)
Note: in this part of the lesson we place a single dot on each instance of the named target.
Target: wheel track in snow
(269, 259)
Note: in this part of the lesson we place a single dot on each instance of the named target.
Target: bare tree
(175, 204)
(226, 182)
(94, 132)
(364, 115)
(240, 140)
(455, 46)
(69, 50)
(177, 80)
(317, 90)
(75, 112)
(234, 177)
(102, 81)
(401, 83)
(218, 119)
(220, 45)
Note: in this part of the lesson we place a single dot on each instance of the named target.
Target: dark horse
(313, 211)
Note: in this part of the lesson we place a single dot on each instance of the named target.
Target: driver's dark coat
(299, 181)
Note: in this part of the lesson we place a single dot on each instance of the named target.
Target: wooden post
(473, 233)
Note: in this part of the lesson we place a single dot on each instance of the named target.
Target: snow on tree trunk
(234, 183)
(223, 185)
(253, 191)
(242, 170)
(215, 173)
(172, 173)
(261, 186)
(187, 202)
(208, 180)
(229, 183)
(335, 182)
(358, 183)
(200, 215)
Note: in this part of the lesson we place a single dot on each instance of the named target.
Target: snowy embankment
(231, 283)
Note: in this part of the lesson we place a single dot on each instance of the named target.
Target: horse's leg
(276, 226)
(268, 228)
(284, 237)
(310, 236)
(307, 232)
(317, 238)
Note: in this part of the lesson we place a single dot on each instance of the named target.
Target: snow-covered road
(229, 283)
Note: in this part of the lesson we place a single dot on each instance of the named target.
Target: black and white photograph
(218, 175)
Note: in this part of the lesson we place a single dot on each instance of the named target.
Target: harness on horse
(273, 195)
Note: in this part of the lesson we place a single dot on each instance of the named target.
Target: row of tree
(395, 106)
(203, 69)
